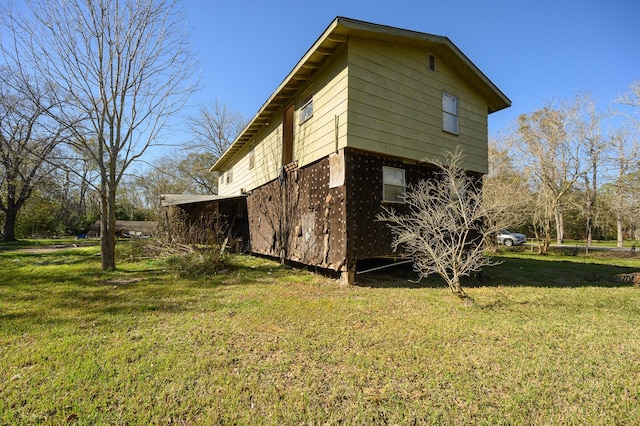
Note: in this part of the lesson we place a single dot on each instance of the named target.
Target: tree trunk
(9, 228)
(559, 217)
(619, 230)
(108, 231)
(10, 209)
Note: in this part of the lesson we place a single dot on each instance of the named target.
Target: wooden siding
(395, 105)
(298, 217)
(313, 139)
(316, 138)
(367, 237)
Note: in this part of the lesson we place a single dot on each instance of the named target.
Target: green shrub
(198, 264)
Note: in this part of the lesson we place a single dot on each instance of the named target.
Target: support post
(347, 277)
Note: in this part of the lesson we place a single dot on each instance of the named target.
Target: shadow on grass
(511, 272)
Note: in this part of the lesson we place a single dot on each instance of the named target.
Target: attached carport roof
(336, 35)
(167, 200)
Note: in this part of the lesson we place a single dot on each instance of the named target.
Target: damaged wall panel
(298, 217)
(368, 237)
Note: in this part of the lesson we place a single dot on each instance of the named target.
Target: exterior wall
(299, 218)
(313, 139)
(367, 237)
(232, 213)
(318, 137)
(395, 105)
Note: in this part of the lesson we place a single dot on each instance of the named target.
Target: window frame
(450, 115)
(252, 160)
(387, 170)
(306, 106)
(306, 111)
(431, 63)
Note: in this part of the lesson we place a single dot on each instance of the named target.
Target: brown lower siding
(368, 237)
(298, 217)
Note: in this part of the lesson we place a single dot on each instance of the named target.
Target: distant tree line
(570, 170)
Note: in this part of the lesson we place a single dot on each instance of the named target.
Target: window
(449, 113)
(221, 179)
(252, 161)
(432, 63)
(306, 111)
(393, 185)
(229, 176)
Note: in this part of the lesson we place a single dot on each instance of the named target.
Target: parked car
(510, 238)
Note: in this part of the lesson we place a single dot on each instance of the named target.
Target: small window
(432, 63)
(229, 176)
(306, 112)
(221, 179)
(252, 159)
(393, 184)
(449, 113)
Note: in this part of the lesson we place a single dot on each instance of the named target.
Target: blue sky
(533, 51)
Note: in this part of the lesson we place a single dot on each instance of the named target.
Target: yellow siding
(267, 161)
(316, 138)
(313, 139)
(383, 99)
(395, 105)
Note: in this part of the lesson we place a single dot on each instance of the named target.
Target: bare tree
(28, 138)
(625, 158)
(194, 169)
(444, 230)
(588, 128)
(214, 128)
(632, 99)
(550, 150)
(506, 191)
(127, 69)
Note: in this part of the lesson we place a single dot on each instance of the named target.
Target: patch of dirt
(49, 249)
(115, 281)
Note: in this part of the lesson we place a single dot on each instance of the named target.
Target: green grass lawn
(550, 340)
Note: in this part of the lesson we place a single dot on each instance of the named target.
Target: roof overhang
(337, 34)
(167, 200)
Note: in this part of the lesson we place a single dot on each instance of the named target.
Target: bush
(198, 264)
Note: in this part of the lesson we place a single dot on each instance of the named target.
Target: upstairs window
(306, 110)
(229, 176)
(449, 113)
(252, 161)
(393, 185)
(432, 63)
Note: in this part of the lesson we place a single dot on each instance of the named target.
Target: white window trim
(306, 111)
(384, 184)
(252, 158)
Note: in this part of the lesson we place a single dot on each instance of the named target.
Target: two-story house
(358, 119)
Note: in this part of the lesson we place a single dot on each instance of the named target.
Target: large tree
(28, 139)
(125, 66)
(550, 150)
(214, 127)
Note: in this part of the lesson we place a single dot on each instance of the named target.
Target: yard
(550, 340)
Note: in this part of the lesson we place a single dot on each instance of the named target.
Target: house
(127, 228)
(358, 119)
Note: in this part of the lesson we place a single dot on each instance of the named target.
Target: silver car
(510, 238)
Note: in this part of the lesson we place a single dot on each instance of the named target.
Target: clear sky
(534, 51)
